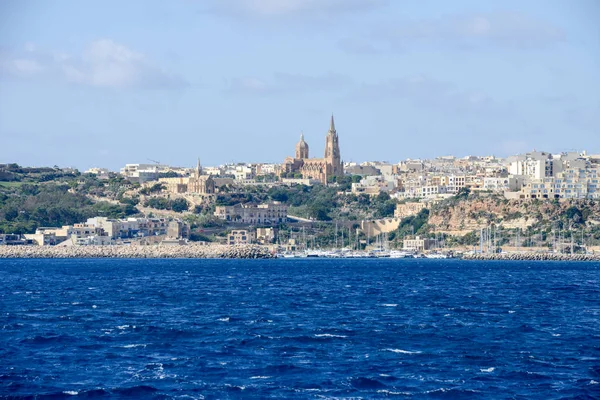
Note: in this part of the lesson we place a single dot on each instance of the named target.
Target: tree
(160, 203)
(179, 205)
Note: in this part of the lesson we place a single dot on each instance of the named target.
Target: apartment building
(572, 183)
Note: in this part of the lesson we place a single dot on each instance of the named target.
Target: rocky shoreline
(531, 256)
(188, 251)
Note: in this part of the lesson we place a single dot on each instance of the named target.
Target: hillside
(461, 215)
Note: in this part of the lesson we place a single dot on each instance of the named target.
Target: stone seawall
(533, 257)
(188, 251)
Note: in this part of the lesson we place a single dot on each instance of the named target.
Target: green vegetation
(162, 203)
(16, 173)
(25, 208)
(416, 224)
(156, 188)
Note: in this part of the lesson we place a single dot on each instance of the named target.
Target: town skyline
(239, 80)
(283, 160)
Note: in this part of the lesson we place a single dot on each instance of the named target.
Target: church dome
(302, 148)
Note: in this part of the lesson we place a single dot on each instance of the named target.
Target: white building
(535, 165)
(143, 172)
(101, 173)
(496, 184)
(572, 183)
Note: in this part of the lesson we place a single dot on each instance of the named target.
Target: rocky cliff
(461, 216)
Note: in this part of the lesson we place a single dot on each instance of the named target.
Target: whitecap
(403, 351)
(446, 315)
(131, 346)
(556, 334)
(226, 319)
(94, 306)
(385, 391)
(71, 392)
(593, 382)
(389, 305)
(234, 386)
(511, 311)
(121, 327)
(490, 369)
(259, 377)
(440, 390)
(329, 335)
(384, 375)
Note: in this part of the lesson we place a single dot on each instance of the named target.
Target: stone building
(320, 169)
(266, 235)
(198, 183)
(418, 244)
(267, 213)
(241, 236)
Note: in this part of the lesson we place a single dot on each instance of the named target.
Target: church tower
(198, 168)
(332, 151)
(301, 148)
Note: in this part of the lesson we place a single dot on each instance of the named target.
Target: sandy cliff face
(462, 217)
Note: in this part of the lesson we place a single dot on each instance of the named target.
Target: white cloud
(505, 29)
(280, 8)
(104, 63)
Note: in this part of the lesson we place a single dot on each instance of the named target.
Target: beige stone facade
(265, 235)
(418, 244)
(240, 237)
(320, 169)
(268, 213)
(198, 183)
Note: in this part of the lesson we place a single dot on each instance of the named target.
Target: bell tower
(332, 150)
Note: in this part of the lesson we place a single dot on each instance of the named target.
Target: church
(322, 169)
(196, 183)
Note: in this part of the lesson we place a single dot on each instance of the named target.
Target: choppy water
(197, 329)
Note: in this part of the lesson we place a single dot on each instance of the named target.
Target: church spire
(332, 125)
(198, 168)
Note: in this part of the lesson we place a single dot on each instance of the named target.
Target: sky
(105, 83)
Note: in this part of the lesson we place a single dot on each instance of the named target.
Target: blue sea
(299, 329)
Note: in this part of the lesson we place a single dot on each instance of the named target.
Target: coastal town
(535, 202)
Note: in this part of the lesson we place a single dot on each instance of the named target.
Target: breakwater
(187, 251)
(531, 256)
